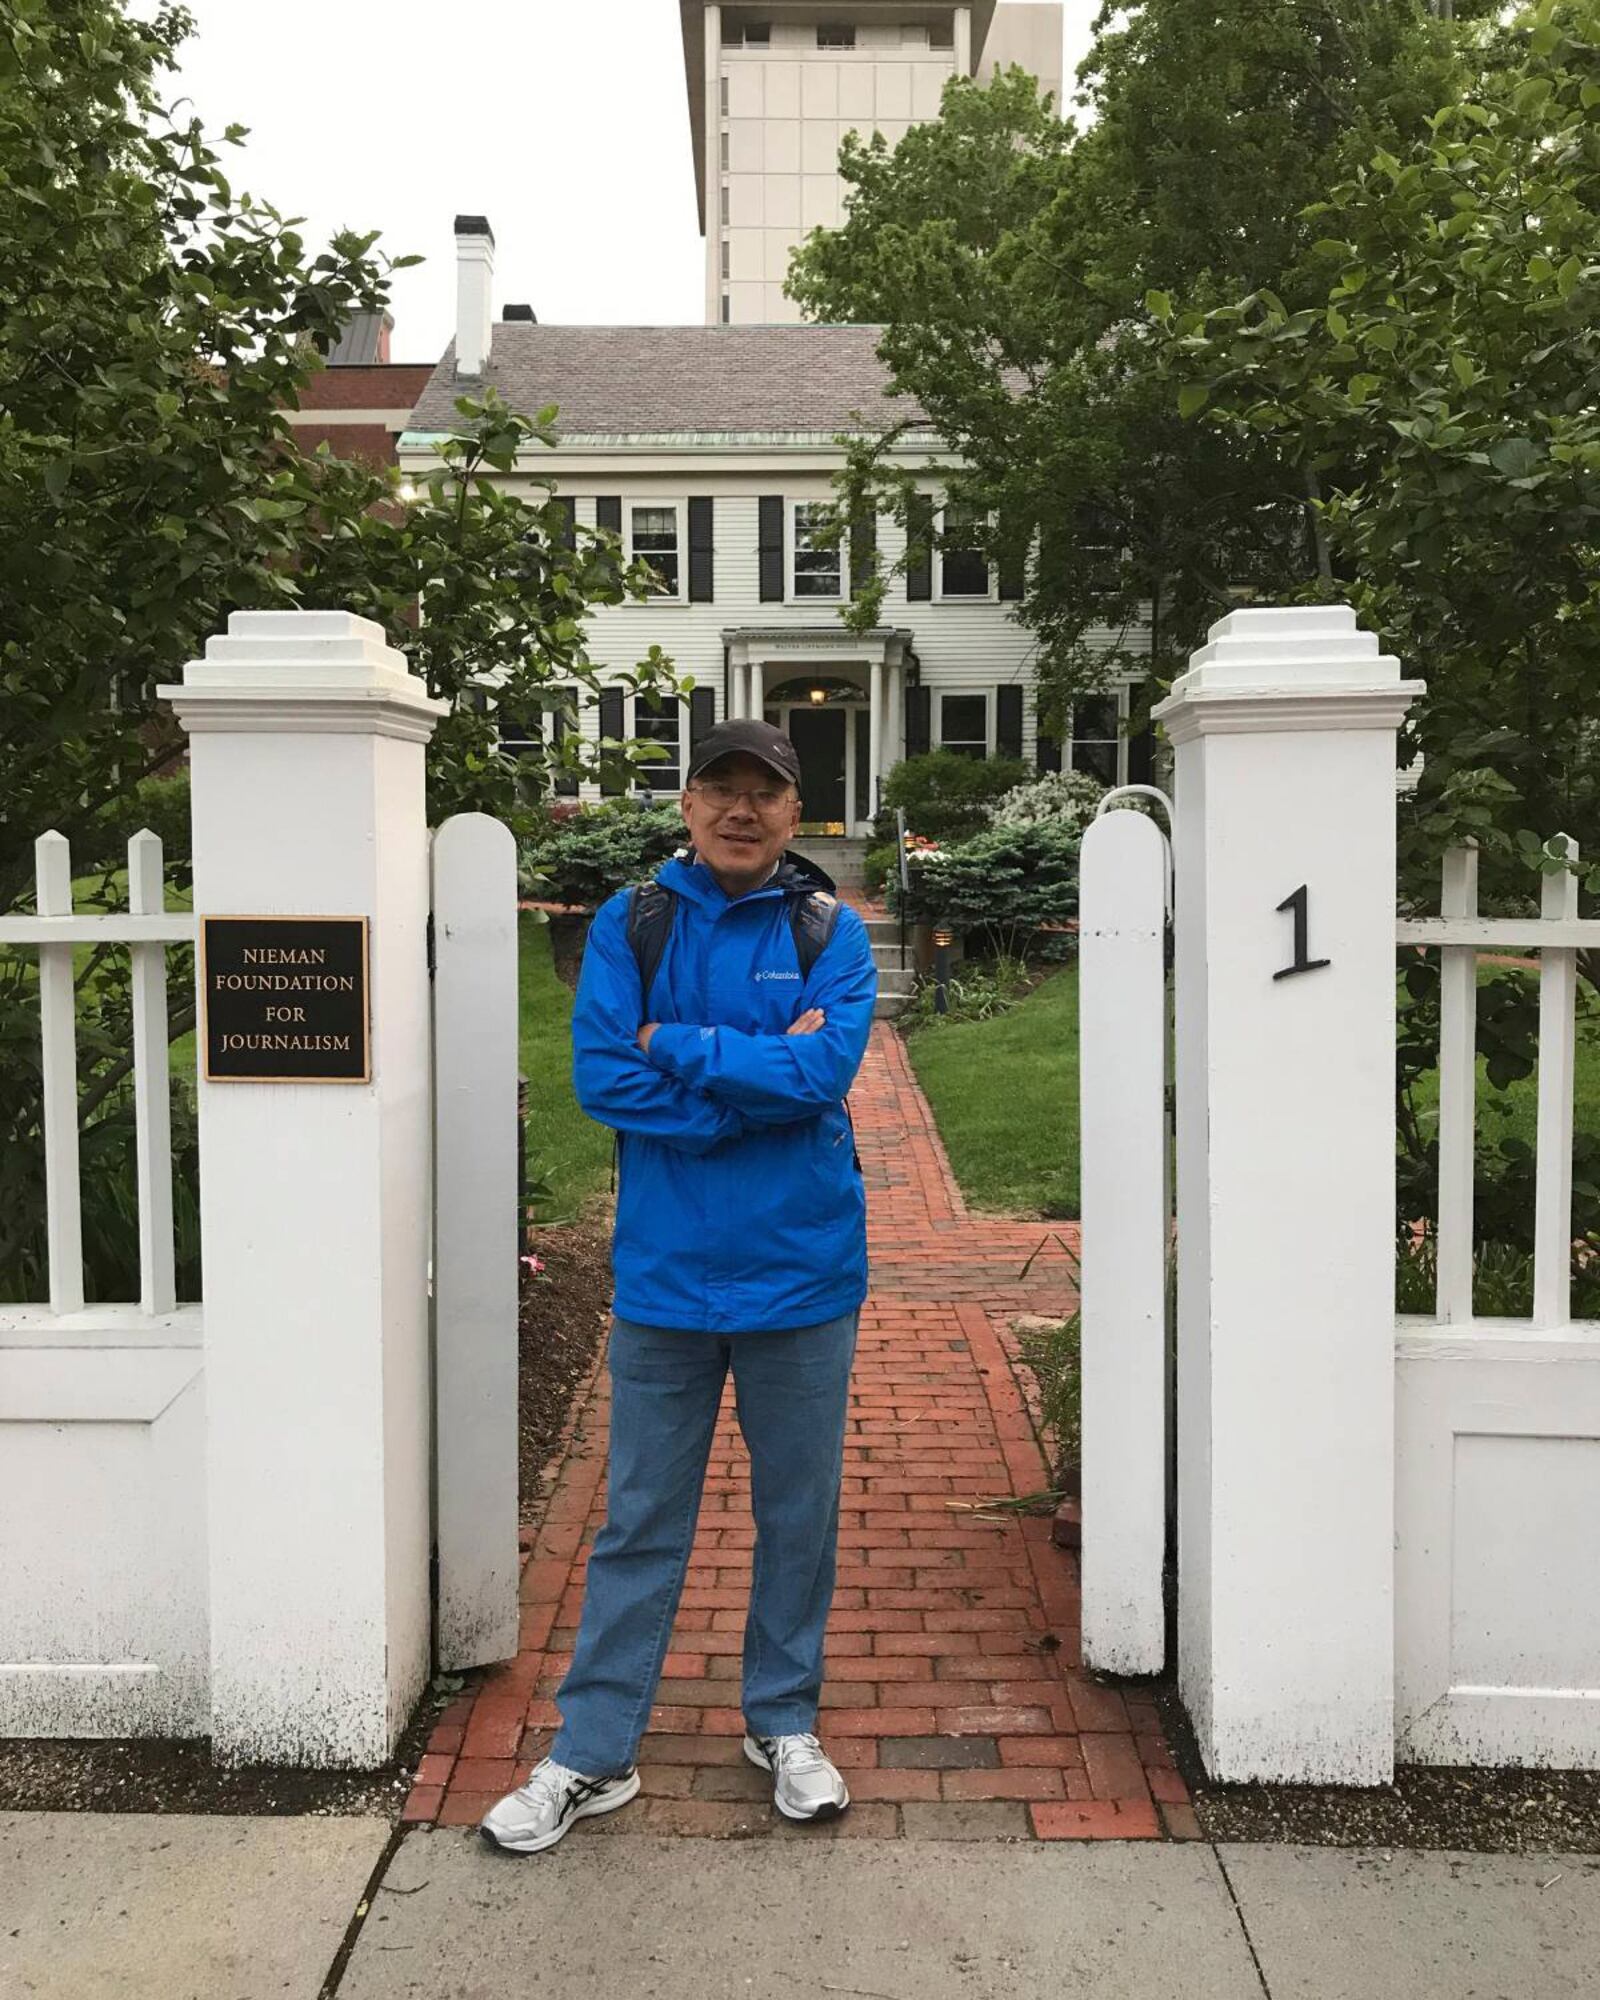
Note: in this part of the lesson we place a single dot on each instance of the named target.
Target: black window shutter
(771, 548)
(919, 529)
(702, 559)
(1008, 721)
(568, 537)
(863, 546)
(1142, 742)
(702, 714)
(608, 512)
(566, 782)
(1047, 751)
(919, 721)
(1013, 570)
(614, 783)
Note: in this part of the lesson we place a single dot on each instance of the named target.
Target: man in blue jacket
(740, 1243)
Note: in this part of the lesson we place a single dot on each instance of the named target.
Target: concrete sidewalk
(172, 1908)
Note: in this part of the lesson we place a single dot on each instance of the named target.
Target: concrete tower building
(774, 88)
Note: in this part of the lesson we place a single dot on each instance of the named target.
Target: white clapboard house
(712, 450)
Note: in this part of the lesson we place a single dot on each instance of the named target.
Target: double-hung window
(963, 566)
(653, 538)
(964, 724)
(1097, 739)
(659, 720)
(818, 551)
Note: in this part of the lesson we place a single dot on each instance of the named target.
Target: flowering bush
(1061, 798)
(1008, 882)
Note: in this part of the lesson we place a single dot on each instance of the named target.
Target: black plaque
(285, 999)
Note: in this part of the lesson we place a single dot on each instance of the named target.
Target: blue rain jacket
(740, 1207)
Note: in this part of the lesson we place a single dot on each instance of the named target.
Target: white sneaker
(535, 1817)
(806, 1785)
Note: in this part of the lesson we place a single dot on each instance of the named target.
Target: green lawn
(1005, 1095)
(564, 1147)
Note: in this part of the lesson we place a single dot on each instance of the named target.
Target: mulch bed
(564, 1315)
(1438, 1807)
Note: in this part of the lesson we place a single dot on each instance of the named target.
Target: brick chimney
(474, 288)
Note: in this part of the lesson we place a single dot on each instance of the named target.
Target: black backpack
(813, 913)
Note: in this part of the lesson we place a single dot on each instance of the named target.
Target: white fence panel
(475, 1239)
(1497, 1487)
(1122, 1009)
(103, 1625)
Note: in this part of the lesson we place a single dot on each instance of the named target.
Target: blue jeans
(792, 1391)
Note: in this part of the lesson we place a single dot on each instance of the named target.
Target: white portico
(840, 696)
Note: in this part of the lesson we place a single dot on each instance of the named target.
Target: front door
(818, 735)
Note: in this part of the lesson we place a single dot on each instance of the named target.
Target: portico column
(894, 717)
(875, 722)
(757, 698)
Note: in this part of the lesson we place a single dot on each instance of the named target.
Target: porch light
(819, 696)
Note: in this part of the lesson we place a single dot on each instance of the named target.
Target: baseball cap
(743, 735)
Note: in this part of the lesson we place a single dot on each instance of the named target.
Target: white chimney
(474, 285)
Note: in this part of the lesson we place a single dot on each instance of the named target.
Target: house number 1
(1302, 963)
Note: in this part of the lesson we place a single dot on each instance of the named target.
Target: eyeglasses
(766, 799)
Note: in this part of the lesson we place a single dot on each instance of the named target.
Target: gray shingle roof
(659, 380)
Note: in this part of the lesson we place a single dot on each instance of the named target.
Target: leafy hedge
(597, 851)
(946, 796)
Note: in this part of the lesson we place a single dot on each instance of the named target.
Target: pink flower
(533, 1265)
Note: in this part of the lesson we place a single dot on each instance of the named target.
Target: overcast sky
(564, 121)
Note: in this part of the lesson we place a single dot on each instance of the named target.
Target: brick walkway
(954, 1701)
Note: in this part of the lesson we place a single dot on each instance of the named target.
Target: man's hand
(645, 1033)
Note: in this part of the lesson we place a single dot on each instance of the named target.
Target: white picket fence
(219, 1521)
(1460, 935)
(102, 1522)
(148, 928)
(1498, 1420)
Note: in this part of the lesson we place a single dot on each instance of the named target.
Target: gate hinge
(433, 956)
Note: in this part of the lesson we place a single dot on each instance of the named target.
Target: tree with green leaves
(1440, 386)
(1008, 257)
(155, 324)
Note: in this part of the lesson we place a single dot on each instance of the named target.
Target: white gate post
(475, 1238)
(1284, 731)
(1122, 1012)
(306, 756)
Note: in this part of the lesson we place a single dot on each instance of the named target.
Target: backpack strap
(651, 909)
(812, 918)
